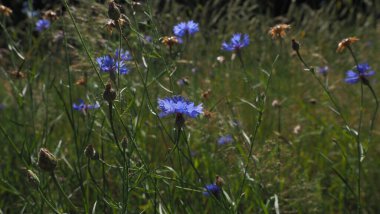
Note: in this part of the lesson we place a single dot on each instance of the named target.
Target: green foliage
(295, 149)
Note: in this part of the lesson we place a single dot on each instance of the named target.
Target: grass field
(295, 140)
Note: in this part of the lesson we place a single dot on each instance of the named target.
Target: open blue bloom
(323, 70)
(81, 106)
(124, 55)
(183, 28)
(42, 24)
(108, 64)
(212, 189)
(364, 70)
(179, 105)
(225, 139)
(237, 42)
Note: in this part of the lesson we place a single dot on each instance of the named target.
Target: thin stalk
(47, 201)
(75, 209)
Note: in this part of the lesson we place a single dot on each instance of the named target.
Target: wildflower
(295, 45)
(237, 42)
(179, 105)
(219, 181)
(323, 70)
(220, 59)
(364, 70)
(183, 28)
(124, 55)
(113, 11)
(346, 43)
(279, 31)
(171, 40)
(183, 81)
(90, 152)
(109, 94)
(108, 64)
(42, 24)
(5, 10)
(27, 11)
(50, 15)
(212, 189)
(32, 178)
(46, 160)
(225, 139)
(84, 107)
(148, 39)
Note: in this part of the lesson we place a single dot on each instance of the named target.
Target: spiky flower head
(184, 28)
(237, 42)
(179, 105)
(278, 31)
(110, 65)
(346, 43)
(363, 71)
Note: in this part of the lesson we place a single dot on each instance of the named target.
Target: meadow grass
(301, 142)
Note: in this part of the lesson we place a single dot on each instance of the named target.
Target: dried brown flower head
(279, 31)
(5, 10)
(345, 43)
(17, 74)
(81, 81)
(169, 40)
(51, 15)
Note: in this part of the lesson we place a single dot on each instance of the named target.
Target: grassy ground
(300, 155)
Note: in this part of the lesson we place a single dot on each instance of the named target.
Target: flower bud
(113, 11)
(124, 142)
(109, 94)
(32, 178)
(295, 45)
(90, 152)
(219, 181)
(46, 160)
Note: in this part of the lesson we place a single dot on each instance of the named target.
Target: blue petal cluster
(112, 64)
(323, 70)
(212, 189)
(183, 28)
(225, 139)
(237, 42)
(124, 55)
(81, 106)
(364, 70)
(42, 24)
(179, 105)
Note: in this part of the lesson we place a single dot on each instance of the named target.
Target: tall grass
(302, 142)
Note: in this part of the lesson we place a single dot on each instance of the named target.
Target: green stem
(63, 192)
(47, 201)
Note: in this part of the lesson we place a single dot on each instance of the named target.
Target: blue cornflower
(42, 24)
(225, 139)
(84, 107)
(364, 70)
(179, 105)
(212, 189)
(323, 70)
(182, 28)
(108, 64)
(148, 39)
(124, 55)
(237, 42)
